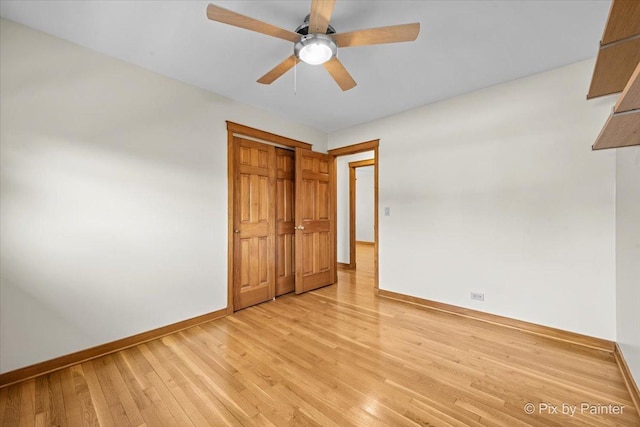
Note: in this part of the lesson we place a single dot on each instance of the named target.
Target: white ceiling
(463, 46)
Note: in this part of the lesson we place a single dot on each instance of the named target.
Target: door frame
(238, 130)
(372, 145)
(352, 207)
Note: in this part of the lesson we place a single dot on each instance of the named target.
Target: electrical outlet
(387, 211)
(477, 296)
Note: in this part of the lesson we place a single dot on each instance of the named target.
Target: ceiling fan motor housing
(303, 29)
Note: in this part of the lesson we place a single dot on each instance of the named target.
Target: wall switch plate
(387, 211)
(477, 296)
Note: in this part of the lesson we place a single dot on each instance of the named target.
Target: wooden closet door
(315, 263)
(254, 223)
(285, 216)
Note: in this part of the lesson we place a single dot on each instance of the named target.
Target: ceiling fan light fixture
(315, 49)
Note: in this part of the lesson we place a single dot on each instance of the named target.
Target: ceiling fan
(315, 41)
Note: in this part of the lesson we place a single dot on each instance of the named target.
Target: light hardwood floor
(333, 357)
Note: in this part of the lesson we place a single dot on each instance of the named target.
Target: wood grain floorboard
(336, 356)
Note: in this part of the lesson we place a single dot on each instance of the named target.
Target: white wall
(365, 192)
(628, 255)
(498, 192)
(342, 184)
(113, 197)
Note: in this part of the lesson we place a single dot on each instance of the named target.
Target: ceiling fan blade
(278, 70)
(219, 14)
(320, 15)
(340, 74)
(380, 35)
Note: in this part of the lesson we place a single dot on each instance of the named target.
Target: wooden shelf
(618, 70)
(630, 98)
(623, 126)
(623, 21)
(619, 52)
(614, 66)
(621, 130)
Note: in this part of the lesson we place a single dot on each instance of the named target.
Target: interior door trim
(233, 130)
(242, 130)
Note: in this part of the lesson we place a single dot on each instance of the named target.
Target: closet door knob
(236, 231)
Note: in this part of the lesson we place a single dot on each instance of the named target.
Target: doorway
(361, 213)
(346, 238)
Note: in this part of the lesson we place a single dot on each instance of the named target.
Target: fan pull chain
(295, 78)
